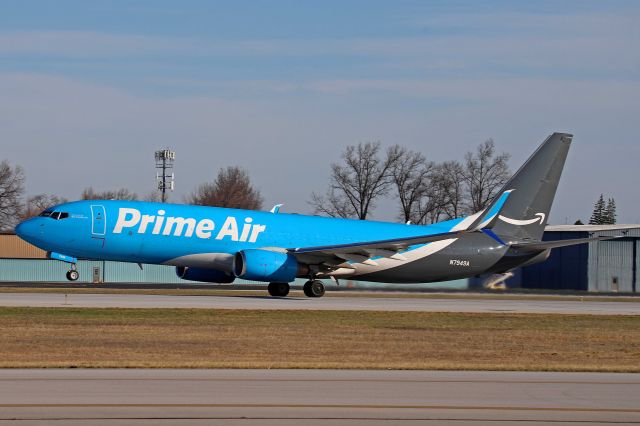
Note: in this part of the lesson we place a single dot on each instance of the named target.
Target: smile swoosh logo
(539, 217)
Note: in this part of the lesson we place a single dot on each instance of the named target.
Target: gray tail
(525, 213)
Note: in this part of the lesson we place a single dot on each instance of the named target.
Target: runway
(315, 397)
(477, 305)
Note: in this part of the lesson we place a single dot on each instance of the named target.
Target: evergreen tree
(578, 222)
(598, 215)
(610, 212)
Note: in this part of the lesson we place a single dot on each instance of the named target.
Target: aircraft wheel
(73, 275)
(278, 289)
(314, 288)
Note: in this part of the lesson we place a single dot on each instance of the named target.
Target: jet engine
(204, 275)
(266, 265)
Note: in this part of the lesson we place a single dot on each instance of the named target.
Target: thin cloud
(470, 35)
(84, 43)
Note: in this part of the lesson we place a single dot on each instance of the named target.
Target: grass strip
(200, 338)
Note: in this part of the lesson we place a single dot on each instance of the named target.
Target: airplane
(218, 245)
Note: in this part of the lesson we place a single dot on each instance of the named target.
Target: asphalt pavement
(477, 305)
(314, 397)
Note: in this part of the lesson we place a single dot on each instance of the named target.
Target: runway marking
(351, 406)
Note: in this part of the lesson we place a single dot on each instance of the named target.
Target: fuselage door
(98, 221)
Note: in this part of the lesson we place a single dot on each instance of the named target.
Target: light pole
(164, 161)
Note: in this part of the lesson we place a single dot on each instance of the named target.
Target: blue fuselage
(209, 237)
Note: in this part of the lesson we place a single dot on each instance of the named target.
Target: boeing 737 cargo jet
(211, 244)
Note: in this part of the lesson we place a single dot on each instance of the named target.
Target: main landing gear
(278, 289)
(313, 288)
(73, 274)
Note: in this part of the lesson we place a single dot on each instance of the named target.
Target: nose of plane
(27, 230)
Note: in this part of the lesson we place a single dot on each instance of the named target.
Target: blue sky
(281, 87)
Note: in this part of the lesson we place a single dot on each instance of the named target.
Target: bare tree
(412, 177)
(119, 194)
(355, 185)
(484, 174)
(11, 191)
(450, 183)
(408, 175)
(153, 196)
(431, 206)
(232, 188)
(333, 204)
(430, 209)
(37, 203)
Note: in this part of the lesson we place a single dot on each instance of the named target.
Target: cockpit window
(54, 215)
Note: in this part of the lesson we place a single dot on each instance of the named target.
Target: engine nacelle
(266, 265)
(204, 275)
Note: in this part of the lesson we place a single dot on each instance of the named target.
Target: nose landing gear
(73, 274)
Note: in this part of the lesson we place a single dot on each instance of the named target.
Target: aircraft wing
(362, 252)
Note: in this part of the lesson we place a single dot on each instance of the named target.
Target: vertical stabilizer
(533, 187)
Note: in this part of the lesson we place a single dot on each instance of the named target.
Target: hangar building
(23, 262)
(602, 266)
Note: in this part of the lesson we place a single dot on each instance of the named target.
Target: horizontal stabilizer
(544, 245)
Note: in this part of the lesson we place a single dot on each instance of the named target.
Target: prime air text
(158, 224)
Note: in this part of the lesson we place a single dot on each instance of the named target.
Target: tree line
(426, 191)
(603, 213)
(366, 175)
(232, 188)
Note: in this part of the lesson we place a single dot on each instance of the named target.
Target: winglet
(276, 208)
(487, 218)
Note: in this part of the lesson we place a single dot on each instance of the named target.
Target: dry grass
(183, 338)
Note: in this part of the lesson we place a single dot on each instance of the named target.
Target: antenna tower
(164, 162)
